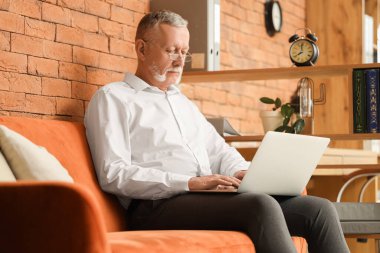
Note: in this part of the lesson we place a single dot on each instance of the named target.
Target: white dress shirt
(147, 143)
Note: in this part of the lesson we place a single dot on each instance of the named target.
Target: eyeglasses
(174, 56)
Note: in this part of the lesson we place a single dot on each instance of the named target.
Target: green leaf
(287, 110)
(267, 100)
(277, 103)
(289, 129)
(286, 121)
(299, 125)
(280, 129)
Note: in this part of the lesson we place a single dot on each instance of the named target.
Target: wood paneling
(338, 25)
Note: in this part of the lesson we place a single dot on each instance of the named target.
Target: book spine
(372, 87)
(359, 104)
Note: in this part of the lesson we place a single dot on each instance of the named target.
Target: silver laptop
(283, 164)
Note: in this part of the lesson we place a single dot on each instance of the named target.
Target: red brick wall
(244, 45)
(55, 54)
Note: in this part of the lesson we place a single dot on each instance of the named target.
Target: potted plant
(281, 120)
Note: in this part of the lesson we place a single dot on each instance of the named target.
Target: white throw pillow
(29, 161)
(6, 174)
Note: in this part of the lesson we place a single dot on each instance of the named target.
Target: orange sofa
(79, 217)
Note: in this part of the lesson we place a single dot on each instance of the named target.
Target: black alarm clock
(303, 49)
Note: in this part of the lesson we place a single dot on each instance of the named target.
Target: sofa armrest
(49, 217)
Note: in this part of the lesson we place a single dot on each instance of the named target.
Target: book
(359, 103)
(371, 77)
(222, 126)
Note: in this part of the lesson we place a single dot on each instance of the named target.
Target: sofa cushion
(6, 174)
(29, 161)
(67, 142)
(184, 241)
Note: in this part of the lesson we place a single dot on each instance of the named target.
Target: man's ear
(140, 49)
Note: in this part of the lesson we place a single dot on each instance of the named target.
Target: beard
(162, 77)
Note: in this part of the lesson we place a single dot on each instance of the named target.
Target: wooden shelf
(246, 138)
(272, 73)
(350, 166)
(316, 72)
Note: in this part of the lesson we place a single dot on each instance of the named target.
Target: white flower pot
(271, 120)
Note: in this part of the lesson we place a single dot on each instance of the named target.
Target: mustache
(174, 69)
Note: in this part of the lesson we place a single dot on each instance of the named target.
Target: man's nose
(180, 61)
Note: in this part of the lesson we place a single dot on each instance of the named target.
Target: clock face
(302, 51)
(273, 17)
(276, 16)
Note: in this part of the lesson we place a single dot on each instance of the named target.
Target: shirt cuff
(242, 166)
(180, 182)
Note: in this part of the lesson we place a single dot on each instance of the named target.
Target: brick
(97, 8)
(111, 28)
(4, 4)
(136, 6)
(227, 111)
(218, 96)
(239, 112)
(5, 41)
(115, 2)
(121, 15)
(188, 90)
(57, 51)
(40, 104)
(95, 41)
(12, 101)
(71, 71)
(20, 82)
(117, 63)
(84, 21)
(5, 81)
(202, 93)
(27, 45)
(26, 114)
(56, 14)
(247, 102)
(72, 4)
(67, 106)
(83, 91)
(56, 87)
(40, 29)
(30, 8)
(42, 67)
(137, 17)
(122, 48)
(13, 62)
(86, 56)
(69, 35)
(248, 5)
(210, 108)
(129, 33)
(102, 77)
(50, 1)
(11, 22)
(233, 99)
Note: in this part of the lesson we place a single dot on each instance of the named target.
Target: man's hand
(240, 174)
(213, 182)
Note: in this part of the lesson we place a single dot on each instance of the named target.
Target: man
(151, 147)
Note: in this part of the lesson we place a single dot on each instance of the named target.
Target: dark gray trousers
(269, 221)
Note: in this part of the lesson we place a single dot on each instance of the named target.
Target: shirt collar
(138, 84)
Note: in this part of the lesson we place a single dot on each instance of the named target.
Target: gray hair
(152, 19)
